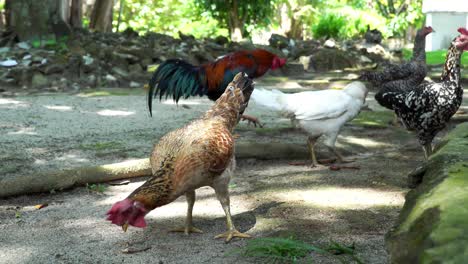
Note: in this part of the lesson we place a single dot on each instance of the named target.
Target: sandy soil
(269, 198)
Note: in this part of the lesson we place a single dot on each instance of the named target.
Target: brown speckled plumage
(194, 155)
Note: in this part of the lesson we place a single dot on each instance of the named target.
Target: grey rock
(120, 72)
(88, 60)
(330, 43)
(91, 80)
(26, 62)
(4, 50)
(110, 78)
(278, 41)
(23, 45)
(135, 68)
(39, 80)
(306, 62)
(134, 84)
(53, 68)
(8, 63)
(332, 59)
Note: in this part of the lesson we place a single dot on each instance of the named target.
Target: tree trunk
(101, 17)
(236, 25)
(76, 14)
(32, 19)
(119, 20)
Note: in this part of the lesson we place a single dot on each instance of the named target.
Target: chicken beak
(124, 227)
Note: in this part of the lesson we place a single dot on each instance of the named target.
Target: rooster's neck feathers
(156, 191)
(232, 103)
(451, 71)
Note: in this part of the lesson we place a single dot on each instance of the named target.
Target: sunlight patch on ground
(346, 197)
(108, 112)
(40, 162)
(7, 256)
(365, 142)
(59, 107)
(24, 131)
(73, 157)
(9, 101)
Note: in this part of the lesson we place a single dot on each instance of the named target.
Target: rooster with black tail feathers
(179, 79)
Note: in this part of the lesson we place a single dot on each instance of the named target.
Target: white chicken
(319, 113)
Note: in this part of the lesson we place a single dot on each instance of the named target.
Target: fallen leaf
(293, 163)
(40, 206)
(119, 183)
(337, 168)
(131, 250)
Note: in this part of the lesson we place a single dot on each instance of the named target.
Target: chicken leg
(251, 119)
(338, 155)
(189, 228)
(311, 143)
(427, 150)
(222, 193)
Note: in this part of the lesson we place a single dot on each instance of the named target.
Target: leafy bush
(346, 22)
(168, 17)
(330, 25)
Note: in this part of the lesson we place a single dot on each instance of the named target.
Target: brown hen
(199, 154)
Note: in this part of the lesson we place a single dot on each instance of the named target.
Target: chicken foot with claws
(222, 193)
(189, 228)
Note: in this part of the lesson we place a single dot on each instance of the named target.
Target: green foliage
(208, 18)
(168, 17)
(290, 250)
(59, 45)
(278, 249)
(345, 22)
(399, 15)
(436, 57)
(250, 13)
(329, 26)
(99, 188)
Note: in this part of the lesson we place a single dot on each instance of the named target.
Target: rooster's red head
(128, 212)
(461, 42)
(277, 63)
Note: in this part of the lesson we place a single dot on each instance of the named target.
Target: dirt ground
(269, 198)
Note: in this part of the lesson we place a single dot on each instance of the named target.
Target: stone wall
(95, 60)
(433, 225)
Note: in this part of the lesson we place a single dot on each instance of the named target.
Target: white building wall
(445, 25)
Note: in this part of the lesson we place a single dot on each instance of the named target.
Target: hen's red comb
(463, 31)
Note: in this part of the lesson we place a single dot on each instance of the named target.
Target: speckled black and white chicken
(404, 76)
(428, 107)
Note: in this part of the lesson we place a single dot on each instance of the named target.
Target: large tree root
(59, 180)
(44, 182)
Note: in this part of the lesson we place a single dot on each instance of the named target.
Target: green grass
(435, 57)
(289, 250)
(100, 188)
(374, 119)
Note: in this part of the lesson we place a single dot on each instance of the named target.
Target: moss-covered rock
(433, 225)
